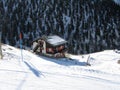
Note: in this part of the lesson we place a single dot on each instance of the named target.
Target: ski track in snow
(35, 71)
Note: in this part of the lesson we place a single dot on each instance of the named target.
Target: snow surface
(41, 73)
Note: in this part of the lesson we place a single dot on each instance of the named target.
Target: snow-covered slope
(41, 73)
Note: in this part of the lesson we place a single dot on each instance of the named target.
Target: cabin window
(49, 50)
(60, 48)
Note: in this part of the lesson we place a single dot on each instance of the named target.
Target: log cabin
(52, 46)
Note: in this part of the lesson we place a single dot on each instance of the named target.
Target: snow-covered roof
(55, 40)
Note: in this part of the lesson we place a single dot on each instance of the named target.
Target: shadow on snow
(33, 69)
(64, 61)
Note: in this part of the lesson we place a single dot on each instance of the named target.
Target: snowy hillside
(40, 73)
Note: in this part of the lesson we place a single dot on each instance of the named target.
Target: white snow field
(40, 73)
